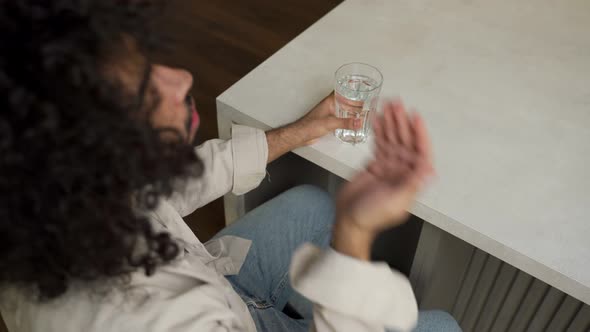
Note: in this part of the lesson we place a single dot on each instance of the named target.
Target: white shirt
(192, 294)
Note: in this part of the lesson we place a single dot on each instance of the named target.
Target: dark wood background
(220, 41)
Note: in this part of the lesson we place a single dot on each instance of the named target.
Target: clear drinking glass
(357, 86)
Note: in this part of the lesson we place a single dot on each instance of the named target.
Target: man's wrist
(351, 240)
(283, 140)
(294, 134)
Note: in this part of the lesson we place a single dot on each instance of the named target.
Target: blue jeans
(277, 228)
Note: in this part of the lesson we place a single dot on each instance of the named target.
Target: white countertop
(505, 89)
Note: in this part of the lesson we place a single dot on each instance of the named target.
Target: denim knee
(313, 200)
(312, 195)
(437, 320)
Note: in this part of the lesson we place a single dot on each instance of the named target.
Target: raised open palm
(380, 196)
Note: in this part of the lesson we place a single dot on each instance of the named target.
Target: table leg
(425, 259)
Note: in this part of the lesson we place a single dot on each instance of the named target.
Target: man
(97, 171)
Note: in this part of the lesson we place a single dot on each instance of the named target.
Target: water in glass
(355, 98)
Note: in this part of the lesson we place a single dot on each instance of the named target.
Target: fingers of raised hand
(388, 128)
(421, 142)
(395, 124)
(401, 142)
(389, 171)
(402, 124)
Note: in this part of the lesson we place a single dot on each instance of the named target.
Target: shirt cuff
(250, 154)
(370, 292)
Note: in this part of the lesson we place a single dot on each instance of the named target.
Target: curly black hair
(79, 159)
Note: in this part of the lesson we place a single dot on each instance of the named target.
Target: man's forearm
(283, 140)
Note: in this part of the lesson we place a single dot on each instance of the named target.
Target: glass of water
(357, 86)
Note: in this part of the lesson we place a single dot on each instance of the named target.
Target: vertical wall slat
(487, 295)
(473, 272)
(581, 322)
(547, 309)
(516, 296)
(481, 293)
(529, 306)
(498, 296)
(564, 315)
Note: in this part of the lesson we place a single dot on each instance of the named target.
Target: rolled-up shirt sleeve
(237, 165)
(352, 295)
(250, 154)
